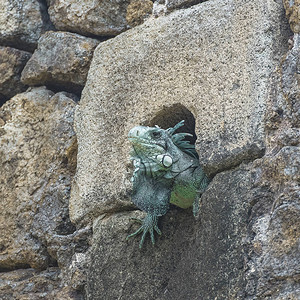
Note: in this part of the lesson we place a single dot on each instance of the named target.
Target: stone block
(274, 221)
(208, 64)
(90, 17)
(192, 259)
(61, 61)
(22, 23)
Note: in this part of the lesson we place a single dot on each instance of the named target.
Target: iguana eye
(156, 134)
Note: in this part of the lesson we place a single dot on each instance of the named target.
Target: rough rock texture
(191, 260)
(292, 8)
(36, 127)
(12, 62)
(273, 271)
(22, 23)
(61, 61)
(213, 65)
(174, 4)
(89, 17)
(212, 60)
(170, 5)
(70, 252)
(28, 284)
(35, 230)
(138, 11)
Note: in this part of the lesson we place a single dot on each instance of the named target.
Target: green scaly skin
(166, 171)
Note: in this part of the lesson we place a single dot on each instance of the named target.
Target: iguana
(166, 170)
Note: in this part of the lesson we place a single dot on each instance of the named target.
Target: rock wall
(74, 80)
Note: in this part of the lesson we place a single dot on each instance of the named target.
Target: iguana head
(156, 150)
(148, 141)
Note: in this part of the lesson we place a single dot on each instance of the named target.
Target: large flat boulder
(208, 64)
(192, 259)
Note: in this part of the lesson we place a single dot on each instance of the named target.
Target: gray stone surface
(212, 60)
(61, 61)
(22, 23)
(89, 17)
(12, 62)
(36, 157)
(28, 284)
(31, 284)
(70, 252)
(193, 259)
(272, 270)
(274, 231)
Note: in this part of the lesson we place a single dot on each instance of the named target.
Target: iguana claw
(149, 224)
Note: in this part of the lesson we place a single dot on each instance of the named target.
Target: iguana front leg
(149, 224)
